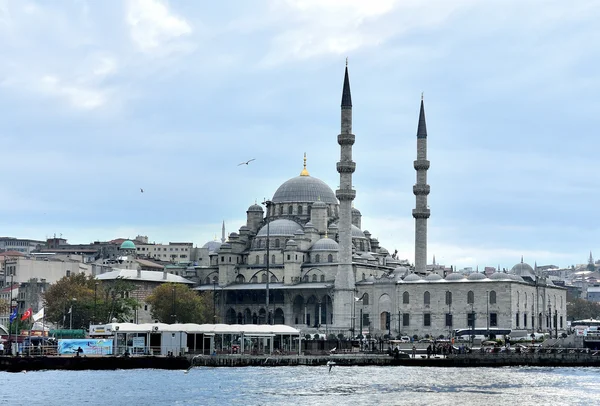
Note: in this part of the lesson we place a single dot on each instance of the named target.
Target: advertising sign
(89, 346)
(139, 342)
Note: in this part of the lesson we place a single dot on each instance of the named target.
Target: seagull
(247, 162)
(330, 364)
(141, 190)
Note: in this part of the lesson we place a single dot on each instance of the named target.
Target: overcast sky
(100, 99)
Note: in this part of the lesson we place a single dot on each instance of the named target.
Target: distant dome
(383, 251)
(476, 276)
(225, 245)
(319, 204)
(413, 277)
(290, 243)
(127, 245)
(304, 189)
(213, 246)
(400, 270)
(256, 207)
(333, 226)
(325, 244)
(278, 228)
(498, 276)
(523, 269)
(433, 277)
(356, 232)
(455, 277)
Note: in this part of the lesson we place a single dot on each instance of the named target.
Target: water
(306, 386)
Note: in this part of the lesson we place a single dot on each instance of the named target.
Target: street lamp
(73, 300)
(358, 299)
(268, 205)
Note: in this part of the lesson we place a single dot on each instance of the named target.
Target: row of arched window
(317, 258)
(470, 297)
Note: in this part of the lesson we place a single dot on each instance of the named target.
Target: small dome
(319, 205)
(291, 243)
(368, 257)
(383, 251)
(413, 277)
(400, 270)
(476, 276)
(433, 277)
(309, 225)
(225, 246)
(213, 246)
(244, 228)
(127, 245)
(523, 269)
(234, 235)
(455, 277)
(325, 244)
(355, 212)
(299, 232)
(333, 226)
(499, 276)
(278, 228)
(256, 207)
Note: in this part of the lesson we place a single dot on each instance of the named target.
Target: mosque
(303, 259)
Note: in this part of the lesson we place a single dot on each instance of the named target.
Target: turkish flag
(27, 314)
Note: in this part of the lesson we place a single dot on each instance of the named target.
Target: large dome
(213, 246)
(523, 269)
(278, 228)
(128, 245)
(304, 189)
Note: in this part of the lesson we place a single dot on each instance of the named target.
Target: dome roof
(523, 269)
(280, 227)
(355, 211)
(400, 270)
(325, 244)
(319, 204)
(291, 242)
(433, 277)
(476, 276)
(516, 278)
(304, 189)
(333, 226)
(455, 277)
(500, 276)
(413, 277)
(225, 245)
(127, 245)
(213, 246)
(256, 207)
(356, 232)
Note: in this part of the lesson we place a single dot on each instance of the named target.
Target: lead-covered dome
(256, 207)
(213, 246)
(325, 244)
(304, 189)
(280, 227)
(523, 269)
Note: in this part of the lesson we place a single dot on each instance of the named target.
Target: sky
(100, 99)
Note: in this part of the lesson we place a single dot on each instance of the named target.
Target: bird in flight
(141, 190)
(247, 162)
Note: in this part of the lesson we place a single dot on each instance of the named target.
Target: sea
(306, 386)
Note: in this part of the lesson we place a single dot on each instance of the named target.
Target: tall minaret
(344, 280)
(223, 232)
(421, 190)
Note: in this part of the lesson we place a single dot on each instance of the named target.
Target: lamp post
(449, 317)
(173, 316)
(472, 322)
(73, 300)
(268, 205)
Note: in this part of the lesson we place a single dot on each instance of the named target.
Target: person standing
(414, 351)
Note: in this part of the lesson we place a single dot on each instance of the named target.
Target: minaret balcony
(346, 139)
(421, 164)
(346, 167)
(420, 190)
(345, 194)
(421, 213)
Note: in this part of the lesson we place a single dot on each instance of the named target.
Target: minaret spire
(223, 232)
(421, 189)
(345, 279)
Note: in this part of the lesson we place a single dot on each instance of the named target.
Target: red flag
(27, 314)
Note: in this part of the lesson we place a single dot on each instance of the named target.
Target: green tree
(84, 299)
(579, 309)
(175, 302)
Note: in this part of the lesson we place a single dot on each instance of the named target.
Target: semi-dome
(433, 277)
(256, 207)
(455, 277)
(127, 245)
(476, 276)
(280, 227)
(325, 244)
(213, 246)
(304, 189)
(413, 277)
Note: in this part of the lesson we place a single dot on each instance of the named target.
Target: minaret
(344, 280)
(223, 232)
(421, 190)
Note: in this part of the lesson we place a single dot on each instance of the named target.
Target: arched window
(365, 299)
(405, 298)
(362, 246)
(363, 276)
(317, 258)
(305, 279)
(215, 279)
(300, 209)
(470, 297)
(263, 278)
(277, 243)
(330, 258)
(265, 257)
(448, 297)
(257, 259)
(493, 297)
(272, 259)
(290, 210)
(314, 278)
(322, 278)
(254, 279)
(281, 210)
(207, 280)
(426, 298)
(240, 279)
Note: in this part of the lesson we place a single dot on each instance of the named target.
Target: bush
(341, 337)
(386, 337)
(332, 337)
(316, 337)
(360, 337)
(441, 337)
(415, 337)
(427, 336)
(307, 337)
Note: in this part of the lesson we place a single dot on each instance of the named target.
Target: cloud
(153, 27)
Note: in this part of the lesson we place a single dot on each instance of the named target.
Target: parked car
(405, 339)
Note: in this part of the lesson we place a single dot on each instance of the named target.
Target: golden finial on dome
(304, 171)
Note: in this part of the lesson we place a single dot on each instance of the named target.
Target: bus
(488, 333)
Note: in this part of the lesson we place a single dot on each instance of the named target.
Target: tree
(579, 309)
(81, 299)
(175, 302)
